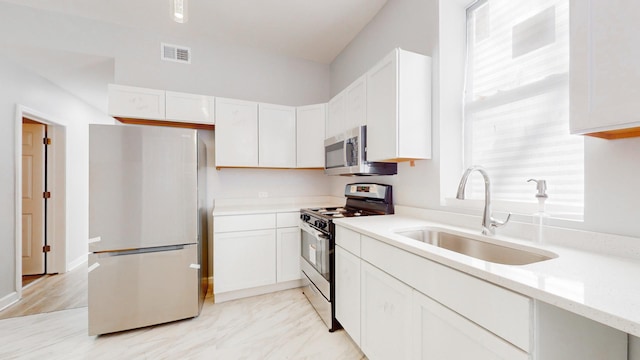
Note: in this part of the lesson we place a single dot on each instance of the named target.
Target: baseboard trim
(77, 262)
(9, 300)
(260, 290)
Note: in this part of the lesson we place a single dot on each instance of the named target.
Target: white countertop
(601, 287)
(226, 207)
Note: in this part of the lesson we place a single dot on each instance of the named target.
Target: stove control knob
(321, 224)
(305, 217)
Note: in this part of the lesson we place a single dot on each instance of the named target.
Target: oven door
(315, 249)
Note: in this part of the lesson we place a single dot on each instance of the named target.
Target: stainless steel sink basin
(475, 247)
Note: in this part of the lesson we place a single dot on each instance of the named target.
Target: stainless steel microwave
(346, 154)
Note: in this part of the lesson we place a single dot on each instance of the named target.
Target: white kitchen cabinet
(288, 254)
(605, 68)
(136, 103)
(399, 108)
(244, 259)
(386, 315)
(356, 104)
(310, 124)
(439, 333)
(189, 108)
(337, 115)
(277, 136)
(236, 133)
(255, 254)
(348, 109)
(348, 292)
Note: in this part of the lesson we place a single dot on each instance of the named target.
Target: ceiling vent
(175, 53)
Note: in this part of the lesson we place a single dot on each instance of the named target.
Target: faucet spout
(488, 222)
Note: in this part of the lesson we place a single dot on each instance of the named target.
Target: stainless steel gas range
(318, 242)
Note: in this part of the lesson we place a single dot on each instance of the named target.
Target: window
(516, 102)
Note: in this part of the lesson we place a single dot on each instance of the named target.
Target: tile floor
(280, 325)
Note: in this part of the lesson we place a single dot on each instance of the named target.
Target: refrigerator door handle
(140, 251)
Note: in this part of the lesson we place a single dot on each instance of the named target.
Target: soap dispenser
(539, 218)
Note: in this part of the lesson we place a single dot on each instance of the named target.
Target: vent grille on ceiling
(175, 53)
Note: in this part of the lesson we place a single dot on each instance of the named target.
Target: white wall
(20, 86)
(612, 196)
(218, 69)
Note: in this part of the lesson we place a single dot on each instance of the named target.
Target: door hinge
(46, 194)
(46, 248)
(46, 141)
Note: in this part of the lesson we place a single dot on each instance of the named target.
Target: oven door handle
(315, 233)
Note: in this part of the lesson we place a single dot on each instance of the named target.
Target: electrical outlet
(263, 194)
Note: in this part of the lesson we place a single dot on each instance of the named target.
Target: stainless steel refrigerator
(147, 226)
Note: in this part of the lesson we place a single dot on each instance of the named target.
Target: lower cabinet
(440, 333)
(386, 311)
(403, 306)
(288, 254)
(348, 292)
(255, 254)
(244, 259)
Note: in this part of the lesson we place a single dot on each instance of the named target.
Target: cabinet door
(136, 103)
(386, 315)
(337, 115)
(440, 333)
(605, 65)
(382, 107)
(356, 112)
(288, 258)
(310, 122)
(399, 108)
(243, 260)
(189, 108)
(347, 283)
(236, 133)
(277, 139)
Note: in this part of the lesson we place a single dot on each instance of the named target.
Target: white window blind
(516, 102)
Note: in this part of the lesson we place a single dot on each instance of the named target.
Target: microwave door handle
(344, 152)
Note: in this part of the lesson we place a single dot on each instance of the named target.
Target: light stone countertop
(601, 287)
(226, 207)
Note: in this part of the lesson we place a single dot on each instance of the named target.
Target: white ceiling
(315, 30)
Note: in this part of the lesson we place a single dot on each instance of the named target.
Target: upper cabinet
(399, 108)
(337, 115)
(236, 133)
(277, 136)
(356, 102)
(135, 102)
(605, 68)
(348, 109)
(310, 124)
(189, 108)
(129, 103)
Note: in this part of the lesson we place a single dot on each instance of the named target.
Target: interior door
(33, 187)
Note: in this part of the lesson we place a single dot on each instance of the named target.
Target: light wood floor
(281, 325)
(52, 293)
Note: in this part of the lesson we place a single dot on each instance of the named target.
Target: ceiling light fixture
(179, 10)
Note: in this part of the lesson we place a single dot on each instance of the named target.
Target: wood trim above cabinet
(617, 134)
(133, 121)
(270, 168)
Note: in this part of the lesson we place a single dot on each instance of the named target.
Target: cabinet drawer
(498, 310)
(439, 333)
(243, 222)
(348, 239)
(288, 219)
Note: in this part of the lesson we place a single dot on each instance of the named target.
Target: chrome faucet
(488, 222)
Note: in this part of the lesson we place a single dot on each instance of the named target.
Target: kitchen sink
(475, 248)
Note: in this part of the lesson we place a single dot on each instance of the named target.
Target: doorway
(43, 222)
(34, 198)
